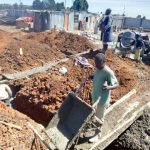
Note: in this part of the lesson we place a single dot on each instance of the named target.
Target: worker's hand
(105, 87)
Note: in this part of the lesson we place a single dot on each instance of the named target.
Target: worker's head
(108, 11)
(100, 61)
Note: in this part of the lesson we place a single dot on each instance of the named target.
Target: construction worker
(5, 93)
(104, 80)
(106, 29)
(138, 48)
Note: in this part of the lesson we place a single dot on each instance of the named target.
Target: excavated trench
(40, 96)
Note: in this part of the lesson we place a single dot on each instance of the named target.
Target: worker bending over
(104, 80)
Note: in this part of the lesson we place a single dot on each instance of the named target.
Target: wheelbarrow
(69, 121)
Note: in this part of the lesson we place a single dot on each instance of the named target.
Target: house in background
(84, 20)
(46, 20)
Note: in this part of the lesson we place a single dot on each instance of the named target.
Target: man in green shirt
(104, 81)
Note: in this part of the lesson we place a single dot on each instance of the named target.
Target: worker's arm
(7, 88)
(111, 87)
(112, 82)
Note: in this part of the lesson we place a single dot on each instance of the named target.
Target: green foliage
(21, 6)
(60, 6)
(15, 6)
(36, 4)
(48, 4)
(80, 5)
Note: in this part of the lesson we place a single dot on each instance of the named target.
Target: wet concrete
(137, 137)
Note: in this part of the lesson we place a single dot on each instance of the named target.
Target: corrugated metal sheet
(19, 13)
(146, 24)
(41, 21)
(57, 19)
(132, 22)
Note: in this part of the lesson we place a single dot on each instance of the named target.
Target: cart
(69, 122)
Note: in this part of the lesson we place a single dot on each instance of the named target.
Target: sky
(131, 8)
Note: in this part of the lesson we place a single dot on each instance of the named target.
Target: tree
(37, 4)
(80, 5)
(144, 18)
(139, 16)
(48, 4)
(21, 6)
(60, 6)
(15, 6)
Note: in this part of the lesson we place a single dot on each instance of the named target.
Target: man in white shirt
(5, 93)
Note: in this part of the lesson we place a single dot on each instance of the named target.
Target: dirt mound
(41, 95)
(5, 40)
(40, 48)
(125, 71)
(137, 137)
(13, 138)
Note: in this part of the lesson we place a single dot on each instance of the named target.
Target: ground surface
(40, 48)
(12, 138)
(45, 92)
(137, 137)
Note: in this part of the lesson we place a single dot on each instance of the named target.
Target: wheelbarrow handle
(83, 81)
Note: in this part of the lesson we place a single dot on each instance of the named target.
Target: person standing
(106, 29)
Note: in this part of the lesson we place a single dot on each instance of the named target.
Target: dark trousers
(105, 47)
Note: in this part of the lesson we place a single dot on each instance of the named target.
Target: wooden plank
(39, 136)
(106, 140)
(129, 110)
(11, 125)
(124, 98)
